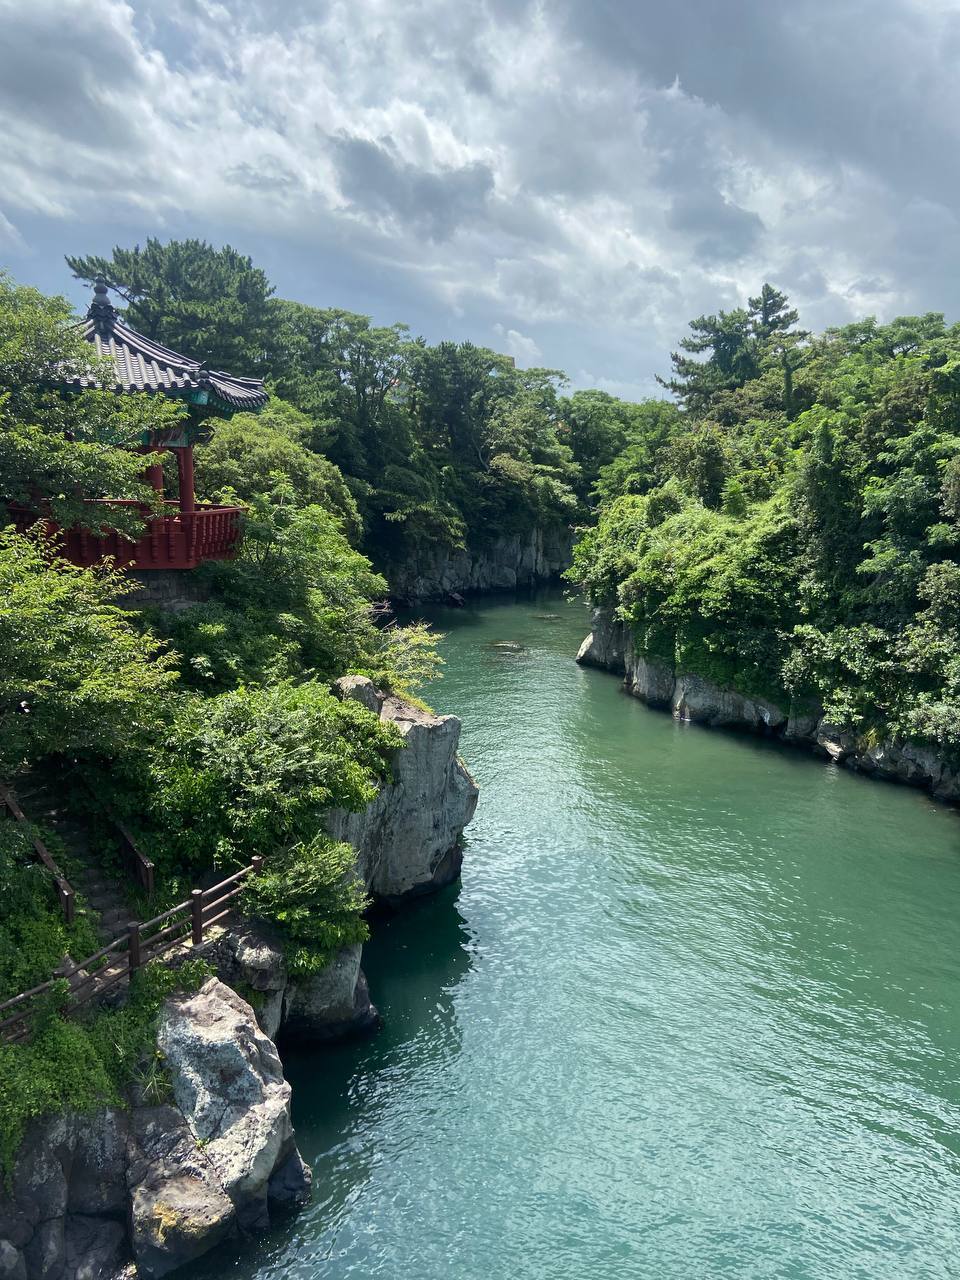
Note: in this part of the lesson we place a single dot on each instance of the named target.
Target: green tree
(206, 303)
(65, 447)
(76, 676)
(266, 454)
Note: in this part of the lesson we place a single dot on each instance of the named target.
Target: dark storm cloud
(865, 81)
(575, 178)
(62, 77)
(373, 177)
(721, 231)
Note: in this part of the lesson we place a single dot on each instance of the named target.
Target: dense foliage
(34, 938)
(798, 534)
(64, 447)
(81, 1065)
(75, 676)
(211, 730)
(438, 446)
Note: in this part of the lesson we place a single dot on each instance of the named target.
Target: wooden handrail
(139, 950)
(68, 899)
(142, 865)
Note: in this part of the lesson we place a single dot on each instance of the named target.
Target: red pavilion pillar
(153, 474)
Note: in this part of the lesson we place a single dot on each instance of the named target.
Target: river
(692, 1012)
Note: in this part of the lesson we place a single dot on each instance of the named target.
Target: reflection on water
(693, 1012)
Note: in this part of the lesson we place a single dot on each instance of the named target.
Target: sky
(567, 182)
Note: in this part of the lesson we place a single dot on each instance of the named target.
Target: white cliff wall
(689, 697)
(517, 560)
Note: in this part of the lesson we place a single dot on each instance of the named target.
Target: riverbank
(690, 697)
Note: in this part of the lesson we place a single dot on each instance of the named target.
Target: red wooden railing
(116, 962)
(175, 540)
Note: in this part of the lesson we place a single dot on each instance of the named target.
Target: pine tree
(210, 304)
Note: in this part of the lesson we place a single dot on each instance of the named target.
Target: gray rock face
(690, 697)
(605, 646)
(701, 702)
(408, 843)
(64, 1216)
(502, 565)
(407, 838)
(332, 1004)
(12, 1263)
(359, 689)
(228, 1084)
(161, 1184)
(178, 1208)
(655, 685)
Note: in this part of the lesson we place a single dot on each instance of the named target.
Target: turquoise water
(691, 1013)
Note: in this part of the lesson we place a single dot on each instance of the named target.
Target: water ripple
(693, 1013)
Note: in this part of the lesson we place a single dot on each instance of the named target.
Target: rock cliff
(518, 560)
(159, 1185)
(408, 838)
(163, 1184)
(690, 697)
(408, 843)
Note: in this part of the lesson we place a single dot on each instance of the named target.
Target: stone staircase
(103, 890)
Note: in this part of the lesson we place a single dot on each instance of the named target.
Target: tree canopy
(798, 534)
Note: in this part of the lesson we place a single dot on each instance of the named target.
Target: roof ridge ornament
(101, 310)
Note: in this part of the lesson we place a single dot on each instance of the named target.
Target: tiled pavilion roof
(144, 365)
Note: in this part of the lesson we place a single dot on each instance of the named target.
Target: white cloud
(523, 348)
(595, 174)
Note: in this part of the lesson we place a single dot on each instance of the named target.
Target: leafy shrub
(252, 772)
(33, 935)
(75, 673)
(73, 1065)
(314, 895)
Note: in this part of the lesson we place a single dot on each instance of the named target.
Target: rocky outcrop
(408, 838)
(690, 697)
(331, 1005)
(519, 560)
(408, 843)
(160, 1184)
(228, 1084)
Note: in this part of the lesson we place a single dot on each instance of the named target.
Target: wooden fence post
(257, 863)
(133, 947)
(196, 908)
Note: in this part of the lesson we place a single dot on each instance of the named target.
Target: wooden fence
(66, 895)
(95, 975)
